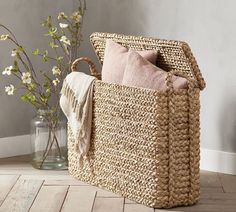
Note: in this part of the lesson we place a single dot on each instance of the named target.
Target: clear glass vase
(49, 141)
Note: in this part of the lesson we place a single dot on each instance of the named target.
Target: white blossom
(56, 82)
(65, 40)
(56, 70)
(7, 70)
(26, 77)
(14, 53)
(61, 15)
(10, 89)
(63, 26)
(4, 37)
(76, 16)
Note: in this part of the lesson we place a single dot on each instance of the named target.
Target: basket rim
(149, 41)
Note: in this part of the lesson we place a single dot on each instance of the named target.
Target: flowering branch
(64, 42)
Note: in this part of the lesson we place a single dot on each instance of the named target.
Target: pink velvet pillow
(141, 73)
(115, 60)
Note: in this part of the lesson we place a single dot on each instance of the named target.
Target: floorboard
(79, 198)
(21, 196)
(6, 184)
(108, 204)
(49, 199)
(228, 182)
(137, 208)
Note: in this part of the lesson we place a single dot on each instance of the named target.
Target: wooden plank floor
(23, 188)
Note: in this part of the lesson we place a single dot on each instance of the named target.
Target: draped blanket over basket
(145, 143)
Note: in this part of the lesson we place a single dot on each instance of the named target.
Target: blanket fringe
(70, 95)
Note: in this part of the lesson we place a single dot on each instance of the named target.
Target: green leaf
(20, 49)
(45, 56)
(32, 98)
(53, 45)
(24, 97)
(48, 93)
(31, 86)
(15, 67)
(49, 19)
(15, 63)
(47, 22)
(46, 84)
(36, 52)
(51, 32)
(59, 58)
(43, 98)
(28, 97)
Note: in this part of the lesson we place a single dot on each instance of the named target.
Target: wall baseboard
(211, 160)
(14, 146)
(218, 161)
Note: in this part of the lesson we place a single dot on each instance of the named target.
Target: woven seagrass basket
(144, 143)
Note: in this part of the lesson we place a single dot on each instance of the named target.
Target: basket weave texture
(145, 143)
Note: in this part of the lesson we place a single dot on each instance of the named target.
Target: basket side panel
(123, 146)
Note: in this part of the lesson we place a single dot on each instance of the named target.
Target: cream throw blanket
(76, 103)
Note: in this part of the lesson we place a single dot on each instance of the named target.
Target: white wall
(207, 25)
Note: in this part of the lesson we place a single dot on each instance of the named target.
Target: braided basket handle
(92, 66)
(169, 82)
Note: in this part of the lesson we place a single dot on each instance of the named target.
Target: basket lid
(172, 55)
